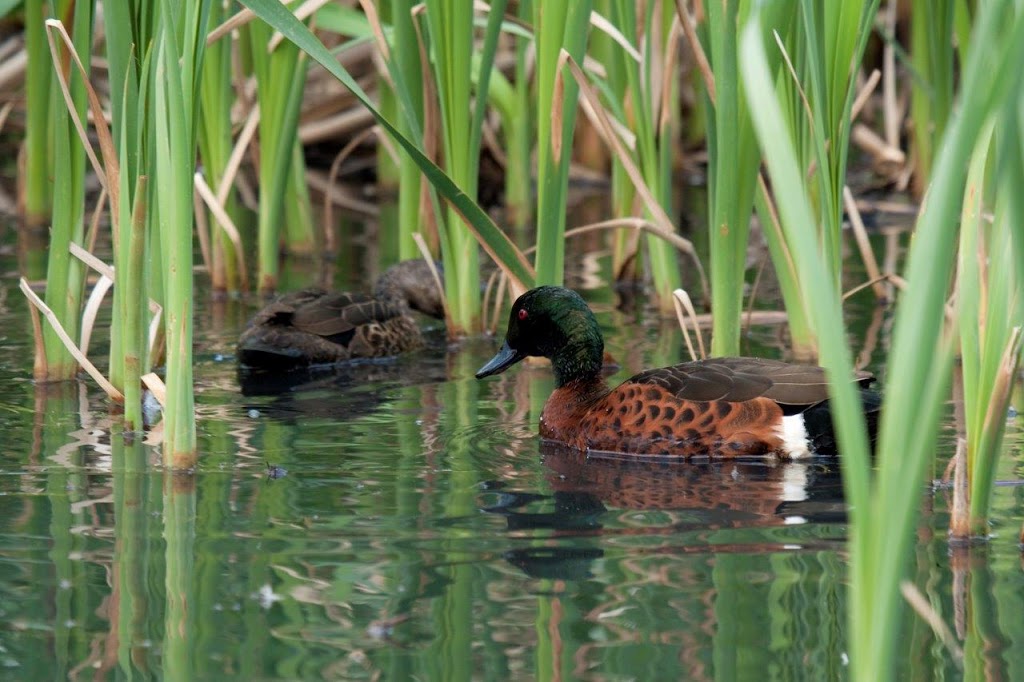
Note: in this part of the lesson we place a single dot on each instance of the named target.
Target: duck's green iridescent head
(555, 323)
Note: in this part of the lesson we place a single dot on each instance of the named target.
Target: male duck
(721, 407)
(313, 326)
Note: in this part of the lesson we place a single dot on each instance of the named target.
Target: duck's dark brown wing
(280, 310)
(341, 313)
(794, 387)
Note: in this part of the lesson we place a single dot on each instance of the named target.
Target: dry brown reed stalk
(687, 316)
(69, 344)
(252, 121)
(91, 310)
(424, 248)
(156, 386)
(108, 173)
(865, 93)
(861, 237)
(928, 614)
(891, 119)
(690, 31)
(959, 515)
(5, 111)
(226, 224)
(211, 262)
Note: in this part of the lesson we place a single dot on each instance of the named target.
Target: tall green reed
(217, 95)
(826, 44)
(733, 163)
(39, 119)
(388, 168)
(298, 207)
(882, 513)
(989, 284)
(64, 274)
(179, 51)
(931, 94)
(450, 33)
(610, 54)
(129, 29)
(823, 47)
(410, 181)
(557, 26)
(518, 131)
(834, 36)
(280, 78)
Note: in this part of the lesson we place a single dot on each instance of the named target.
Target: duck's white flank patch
(793, 433)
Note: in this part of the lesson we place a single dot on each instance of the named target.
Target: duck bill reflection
(505, 358)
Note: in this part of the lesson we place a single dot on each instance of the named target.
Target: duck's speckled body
(314, 326)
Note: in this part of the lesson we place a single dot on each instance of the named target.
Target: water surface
(401, 520)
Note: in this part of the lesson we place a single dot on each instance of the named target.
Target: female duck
(721, 407)
(313, 326)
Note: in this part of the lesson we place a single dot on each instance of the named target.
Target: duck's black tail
(821, 436)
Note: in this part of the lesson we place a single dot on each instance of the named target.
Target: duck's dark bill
(505, 358)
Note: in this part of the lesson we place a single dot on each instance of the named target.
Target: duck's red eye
(523, 314)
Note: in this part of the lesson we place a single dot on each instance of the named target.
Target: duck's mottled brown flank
(661, 423)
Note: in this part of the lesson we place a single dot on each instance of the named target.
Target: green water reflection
(402, 521)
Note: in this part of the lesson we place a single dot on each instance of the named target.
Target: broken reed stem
(928, 614)
(682, 302)
(76, 353)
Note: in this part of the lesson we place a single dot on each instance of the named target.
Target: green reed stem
(39, 117)
(801, 329)
(733, 163)
(178, 69)
(128, 38)
(611, 55)
(280, 79)
(835, 35)
(388, 171)
(518, 133)
(558, 26)
(906, 441)
(216, 94)
(298, 207)
(64, 274)
(931, 102)
(988, 281)
(410, 181)
(134, 350)
(451, 31)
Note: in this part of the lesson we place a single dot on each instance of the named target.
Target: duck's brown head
(412, 281)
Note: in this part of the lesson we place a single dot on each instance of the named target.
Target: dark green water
(401, 521)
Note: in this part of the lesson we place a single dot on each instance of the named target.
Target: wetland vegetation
(172, 163)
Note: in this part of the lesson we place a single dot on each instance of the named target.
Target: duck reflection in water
(350, 390)
(587, 491)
